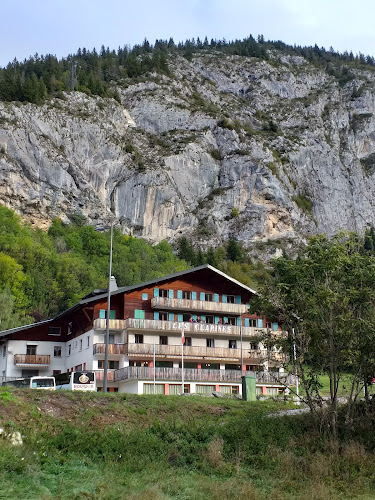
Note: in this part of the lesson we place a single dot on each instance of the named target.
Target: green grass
(102, 447)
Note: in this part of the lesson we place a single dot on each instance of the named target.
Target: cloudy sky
(60, 27)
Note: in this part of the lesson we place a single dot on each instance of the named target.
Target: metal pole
(242, 373)
(154, 368)
(295, 363)
(182, 368)
(105, 376)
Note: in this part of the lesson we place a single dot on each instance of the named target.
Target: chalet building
(145, 338)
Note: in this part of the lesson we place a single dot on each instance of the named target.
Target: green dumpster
(248, 388)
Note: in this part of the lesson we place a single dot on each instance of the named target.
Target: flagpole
(182, 362)
(154, 367)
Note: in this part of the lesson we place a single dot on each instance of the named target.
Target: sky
(61, 27)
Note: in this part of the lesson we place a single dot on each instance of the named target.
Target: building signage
(201, 327)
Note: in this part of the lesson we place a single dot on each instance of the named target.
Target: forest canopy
(97, 73)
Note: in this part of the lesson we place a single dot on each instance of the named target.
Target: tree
(325, 298)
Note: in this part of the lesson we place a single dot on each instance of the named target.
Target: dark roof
(102, 293)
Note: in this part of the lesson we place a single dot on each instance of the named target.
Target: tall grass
(150, 447)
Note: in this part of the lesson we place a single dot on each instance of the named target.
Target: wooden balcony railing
(197, 328)
(114, 324)
(32, 359)
(100, 376)
(190, 374)
(202, 306)
(206, 353)
(112, 348)
(155, 325)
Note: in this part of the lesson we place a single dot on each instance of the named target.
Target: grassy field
(95, 446)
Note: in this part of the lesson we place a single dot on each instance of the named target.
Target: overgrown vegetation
(108, 447)
(325, 299)
(42, 274)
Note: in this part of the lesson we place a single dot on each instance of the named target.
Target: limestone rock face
(225, 146)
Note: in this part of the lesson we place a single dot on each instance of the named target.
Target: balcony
(155, 325)
(204, 353)
(175, 374)
(113, 349)
(100, 376)
(114, 324)
(201, 306)
(42, 360)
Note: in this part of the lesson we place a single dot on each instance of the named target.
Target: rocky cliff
(224, 146)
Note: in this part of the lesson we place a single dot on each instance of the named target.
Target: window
(31, 350)
(88, 341)
(29, 373)
(54, 330)
(163, 316)
(210, 342)
(253, 322)
(139, 314)
(4, 351)
(163, 293)
(210, 366)
(57, 351)
(80, 345)
(186, 317)
(69, 349)
(103, 314)
(163, 340)
(78, 368)
(254, 346)
(232, 367)
(232, 344)
(269, 325)
(70, 328)
(231, 321)
(112, 365)
(138, 338)
(186, 295)
(210, 320)
(56, 372)
(111, 338)
(231, 299)
(188, 341)
(208, 297)
(144, 296)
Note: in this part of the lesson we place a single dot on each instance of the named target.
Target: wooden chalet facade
(145, 345)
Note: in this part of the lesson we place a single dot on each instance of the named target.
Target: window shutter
(225, 319)
(203, 317)
(260, 323)
(238, 299)
(102, 313)
(202, 296)
(217, 320)
(156, 314)
(275, 326)
(112, 314)
(156, 292)
(139, 314)
(247, 322)
(216, 297)
(193, 295)
(179, 294)
(238, 321)
(171, 316)
(195, 317)
(170, 294)
(224, 299)
(180, 317)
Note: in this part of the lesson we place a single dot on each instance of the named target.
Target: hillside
(108, 447)
(209, 145)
